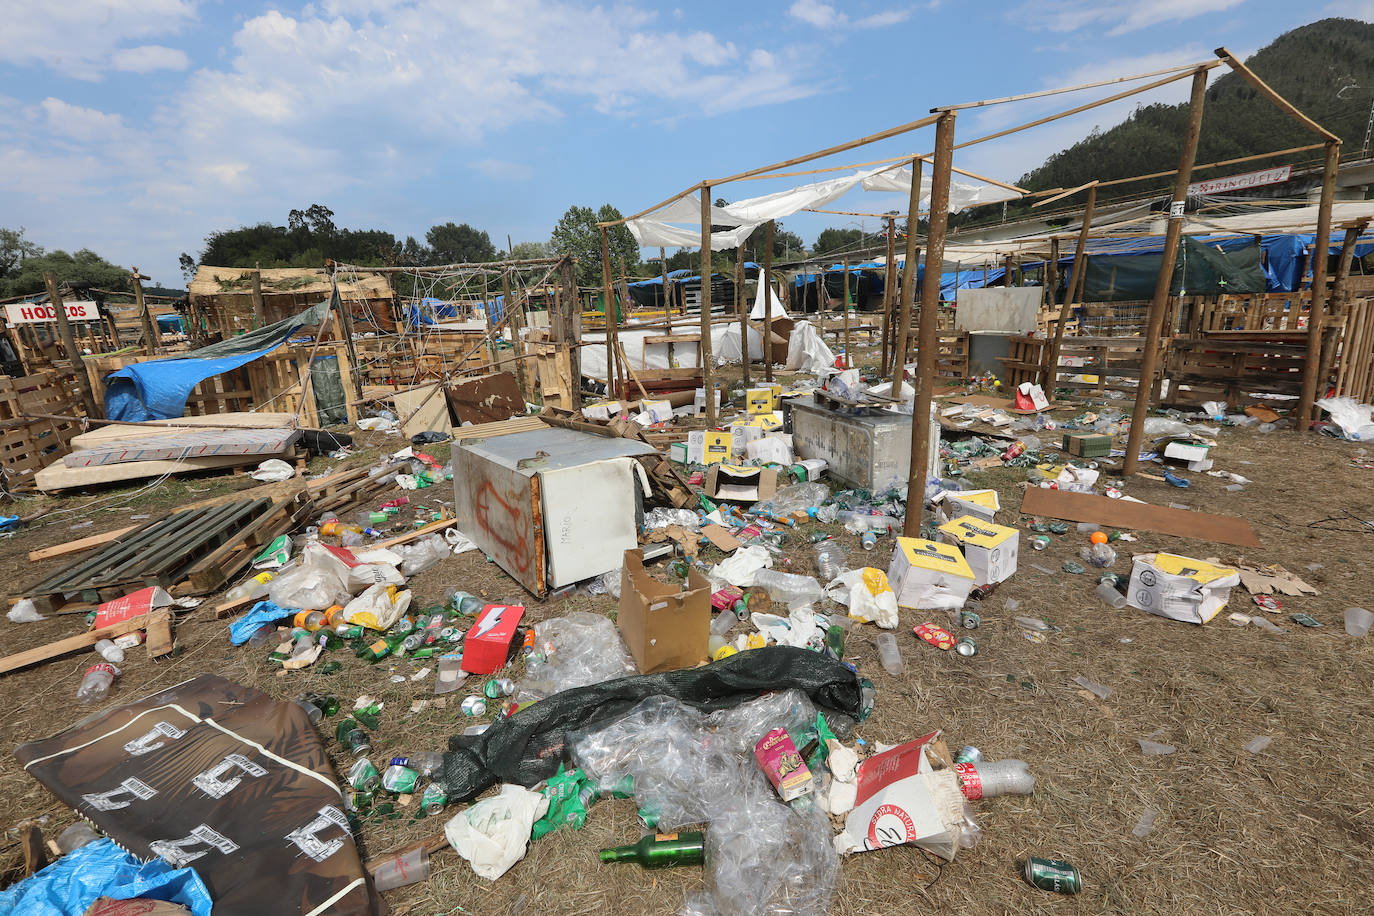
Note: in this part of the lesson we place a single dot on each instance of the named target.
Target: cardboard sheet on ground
(222, 778)
(432, 416)
(1119, 513)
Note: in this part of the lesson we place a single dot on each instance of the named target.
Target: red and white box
(487, 645)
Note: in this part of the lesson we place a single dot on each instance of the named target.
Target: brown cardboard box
(740, 483)
(663, 627)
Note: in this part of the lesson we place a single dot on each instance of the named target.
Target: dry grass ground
(1290, 830)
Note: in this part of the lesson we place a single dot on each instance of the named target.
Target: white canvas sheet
(961, 193)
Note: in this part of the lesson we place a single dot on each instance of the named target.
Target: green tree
(81, 269)
(453, 243)
(309, 237)
(840, 241)
(577, 234)
(526, 251)
(14, 248)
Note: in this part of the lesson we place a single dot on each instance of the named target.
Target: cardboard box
(772, 449)
(980, 503)
(677, 452)
(654, 412)
(699, 401)
(903, 799)
(761, 400)
(487, 645)
(1180, 588)
(707, 446)
(602, 410)
(740, 483)
(664, 628)
(1088, 445)
(990, 549)
(928, 575)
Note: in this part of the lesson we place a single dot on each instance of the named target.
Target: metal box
(552, 506)
(869, 448)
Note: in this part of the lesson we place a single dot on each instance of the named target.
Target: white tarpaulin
(806, 351)
(725, 345)
(961, 194)
(760, 304)
(651, 233)
(756, 210)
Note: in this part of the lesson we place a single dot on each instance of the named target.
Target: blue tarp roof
(157, 389)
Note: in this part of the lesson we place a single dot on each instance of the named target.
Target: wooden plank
(86, 543)
(80, 641)
(57, 476)
(159, 638)
(1119, 513)
(35, 853)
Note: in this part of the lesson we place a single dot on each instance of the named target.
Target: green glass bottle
(662, 850)
(375, 651)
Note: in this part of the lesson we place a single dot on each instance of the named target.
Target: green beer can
(1053, 875)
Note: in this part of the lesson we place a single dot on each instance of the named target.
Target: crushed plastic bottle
(95, 684)
(110, 652)
(791, 588)
(989, 779)
(889, 654)
(1145, 825)
(830, 559)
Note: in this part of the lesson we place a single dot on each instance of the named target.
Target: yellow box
(990, 549)
(762, 400)
(929, 575)
(708, 446)
(982, 503)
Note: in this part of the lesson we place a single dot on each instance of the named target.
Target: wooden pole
(345, 316)
(573, 320)
(259, 313)
(889, 282)
(742, 308)
(908, 291)
(1340, 304)
(152, 341)
(612, 321)
(1149, 356)
(704, 345)
(1050, 369)
(927, 355)
(64, 331)
(663, 271)
(766, 287)
(848, 362)
(486, 313)
(1316, 319)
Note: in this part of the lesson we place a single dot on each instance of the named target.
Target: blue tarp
(157, 390)
(101, 869)
(427, 310)
(172, 324)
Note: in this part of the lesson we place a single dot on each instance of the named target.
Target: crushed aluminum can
(966, 647)
(1053, 875)
(969, 620)
(1268, 602)
(498, 687)
(474, 706)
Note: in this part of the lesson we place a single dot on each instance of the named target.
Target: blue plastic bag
(262, 612)
(101, 869)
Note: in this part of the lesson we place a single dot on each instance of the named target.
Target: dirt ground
(1286, 831)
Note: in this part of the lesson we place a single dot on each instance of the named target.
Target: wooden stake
(612, 323)
(1316, 318)
(927, 352)
(152, 341)
(889, 282)
(767, 287)
(346, 322)
(1149, 357)
(259, 313)
(848, 360)
(704, 345)
(742, 307)
(1050, 370)
(573, 319)
(908, 291)
(64, 330)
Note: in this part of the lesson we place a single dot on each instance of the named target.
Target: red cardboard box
(487, 645)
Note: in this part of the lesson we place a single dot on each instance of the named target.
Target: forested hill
(1308, 66)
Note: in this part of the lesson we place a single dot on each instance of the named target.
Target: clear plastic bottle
(110, 652)
(794, 589)
(989, 779)
(723, 622)
(255, 587)
(889, 654)
(830, 559)
(95, 685)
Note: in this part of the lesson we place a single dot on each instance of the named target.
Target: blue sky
(134, 127)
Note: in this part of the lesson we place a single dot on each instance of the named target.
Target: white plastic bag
(274, 470)
(739, 568)
(868, 595)
(378, 607)
(1356, 420)
(492, 834)
(422, 554)
(319, 580)
(24, 612)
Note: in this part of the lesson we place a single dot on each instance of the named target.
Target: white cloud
(823, 15)
(147, 58)
(1115, 18)
(81, 38)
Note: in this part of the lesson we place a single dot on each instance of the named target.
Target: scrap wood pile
(722, 650)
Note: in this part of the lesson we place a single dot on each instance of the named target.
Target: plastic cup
(1358, 621)
(407, 868)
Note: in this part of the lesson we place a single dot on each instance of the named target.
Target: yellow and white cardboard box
(928, 575)
(990, 549)
(1180, 588)
(707, 446)
(743, 432)
(980, 503)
